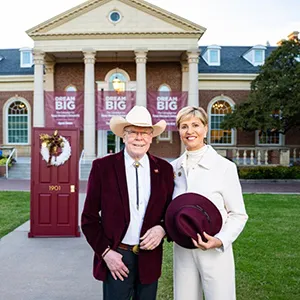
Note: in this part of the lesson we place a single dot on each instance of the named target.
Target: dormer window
(259, 57)
(25, 58)
(256, 55)
(212, 55)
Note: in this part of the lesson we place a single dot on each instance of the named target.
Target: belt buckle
(136, 249)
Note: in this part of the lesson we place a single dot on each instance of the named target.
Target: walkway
(249, 186)
(46, 268)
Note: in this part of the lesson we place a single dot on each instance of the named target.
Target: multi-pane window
(218, 111)
(269, 137)
(71, 88)
(258, 56)
(214, 56)
(17, 123)
(122, 83)
(25, 58)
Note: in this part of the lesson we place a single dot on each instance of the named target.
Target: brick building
(85, 48)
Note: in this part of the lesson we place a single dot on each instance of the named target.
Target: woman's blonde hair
(191, 111)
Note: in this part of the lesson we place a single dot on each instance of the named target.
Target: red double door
(54, 189)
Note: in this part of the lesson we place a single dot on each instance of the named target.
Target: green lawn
(267, 252)
(14, 210)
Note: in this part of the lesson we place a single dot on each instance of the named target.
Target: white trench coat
(211, 271)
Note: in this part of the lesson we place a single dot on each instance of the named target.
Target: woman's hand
(211, 243)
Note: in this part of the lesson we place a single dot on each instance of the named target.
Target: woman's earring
(205, 140)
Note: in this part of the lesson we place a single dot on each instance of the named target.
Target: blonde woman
(208, 268)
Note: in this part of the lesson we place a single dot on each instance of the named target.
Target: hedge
(278, 172)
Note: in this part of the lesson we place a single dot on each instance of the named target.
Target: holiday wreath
(55, 149)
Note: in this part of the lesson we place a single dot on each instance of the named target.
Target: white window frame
(207, 56)
(166, 136)
(71, 88)
(233, 131)
(250, 55)
(258, 62)
(281, 140)
(5, 119)
(26, 64)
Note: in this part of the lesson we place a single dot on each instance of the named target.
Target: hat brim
(189, 200)
(117, 125)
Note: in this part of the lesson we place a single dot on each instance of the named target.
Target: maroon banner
(165, 106)
(64, 109)
(110, 103)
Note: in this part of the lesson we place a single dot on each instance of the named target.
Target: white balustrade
(257, 156)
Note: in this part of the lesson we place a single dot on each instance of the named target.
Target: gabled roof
(179, 25)
(10, 63)
(232, 61)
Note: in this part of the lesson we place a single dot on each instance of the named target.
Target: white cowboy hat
(137, 116)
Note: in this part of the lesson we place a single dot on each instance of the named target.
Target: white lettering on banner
(113, 104)
(115, 98)
(166, 105)
(65, 102)
(166, 98)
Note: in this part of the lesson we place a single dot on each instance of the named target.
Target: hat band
(200, 209)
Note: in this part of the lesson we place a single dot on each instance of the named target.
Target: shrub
(3, 161)
(263, 172)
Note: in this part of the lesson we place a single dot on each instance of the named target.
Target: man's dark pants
(130, 288)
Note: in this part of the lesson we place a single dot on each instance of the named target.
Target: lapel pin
(156, 171)
(179, 174)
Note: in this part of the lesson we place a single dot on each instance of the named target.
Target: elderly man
(123, 215)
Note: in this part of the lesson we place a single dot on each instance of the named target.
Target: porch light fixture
(118, 85)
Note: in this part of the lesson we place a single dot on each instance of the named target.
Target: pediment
(137, 17)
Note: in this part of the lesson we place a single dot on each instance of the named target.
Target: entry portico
(85, 44)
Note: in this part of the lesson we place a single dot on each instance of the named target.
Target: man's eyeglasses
(134, 134)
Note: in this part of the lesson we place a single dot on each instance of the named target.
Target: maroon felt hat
(189, 214)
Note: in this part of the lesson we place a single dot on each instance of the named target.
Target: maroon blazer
(105, 217)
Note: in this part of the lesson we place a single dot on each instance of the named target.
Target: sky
(228, 23)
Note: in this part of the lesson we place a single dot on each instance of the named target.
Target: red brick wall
(205, 96)
(101, 69)
(293, 137)
(166, 149)
(66, 74)
(164, 72)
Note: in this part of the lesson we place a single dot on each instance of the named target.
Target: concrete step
(20, 170)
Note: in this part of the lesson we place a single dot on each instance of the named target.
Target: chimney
(280, 42)
(293, 35)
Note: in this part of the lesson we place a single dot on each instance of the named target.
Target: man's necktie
(136, 165)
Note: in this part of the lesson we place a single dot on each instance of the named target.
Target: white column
(193, 59)
(49, 76)
(38, 94)
(141, 88)
(184, 88)
(89, 104)
(185, 76)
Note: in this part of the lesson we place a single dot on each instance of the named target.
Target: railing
(258, 156)
(80, 160)
(12, 155)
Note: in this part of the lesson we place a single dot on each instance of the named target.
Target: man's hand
(211, 243)
(152, 238)
(115, 264)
